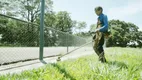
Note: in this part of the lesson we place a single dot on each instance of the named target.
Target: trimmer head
(59, 59)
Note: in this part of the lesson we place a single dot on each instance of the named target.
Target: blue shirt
(104, 21)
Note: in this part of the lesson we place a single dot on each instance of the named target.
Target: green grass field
(122, 64)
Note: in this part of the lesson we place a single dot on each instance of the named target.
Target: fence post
(41, 30)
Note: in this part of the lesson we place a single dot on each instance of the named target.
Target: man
(104, 28)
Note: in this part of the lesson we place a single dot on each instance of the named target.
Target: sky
(83, 10)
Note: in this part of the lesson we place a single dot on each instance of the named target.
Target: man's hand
(97, 30)
(93, 32)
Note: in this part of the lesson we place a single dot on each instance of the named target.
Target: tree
(5, 7)
(139, 40)
(3, 30)
(74, 25)
(30, 11)
(50, 36)
(63, 22)
(25, 34)
(60, 21)
(81, 25)
(92, 27)
(27, 10)
(123, 34)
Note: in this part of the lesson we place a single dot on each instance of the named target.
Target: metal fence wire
(19, 41)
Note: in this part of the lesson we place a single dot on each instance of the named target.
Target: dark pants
(100, 45)
(99, 49)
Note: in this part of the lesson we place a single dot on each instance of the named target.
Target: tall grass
(122, 64)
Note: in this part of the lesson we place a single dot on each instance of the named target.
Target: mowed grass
(122, 64)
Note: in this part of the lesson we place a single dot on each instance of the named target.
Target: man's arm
(105, 27)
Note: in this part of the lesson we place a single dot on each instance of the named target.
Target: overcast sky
(83, 10)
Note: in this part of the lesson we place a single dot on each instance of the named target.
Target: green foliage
(93, 27)
(122, 64)
(23, 34)
(15, 33)
(60, 21)
(123, 34)
(79, 26)
(63, 22)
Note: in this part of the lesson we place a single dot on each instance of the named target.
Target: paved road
(34, 64)
(8, 54)
(14, 54)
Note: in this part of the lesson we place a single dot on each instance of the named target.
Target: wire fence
(19, 41)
